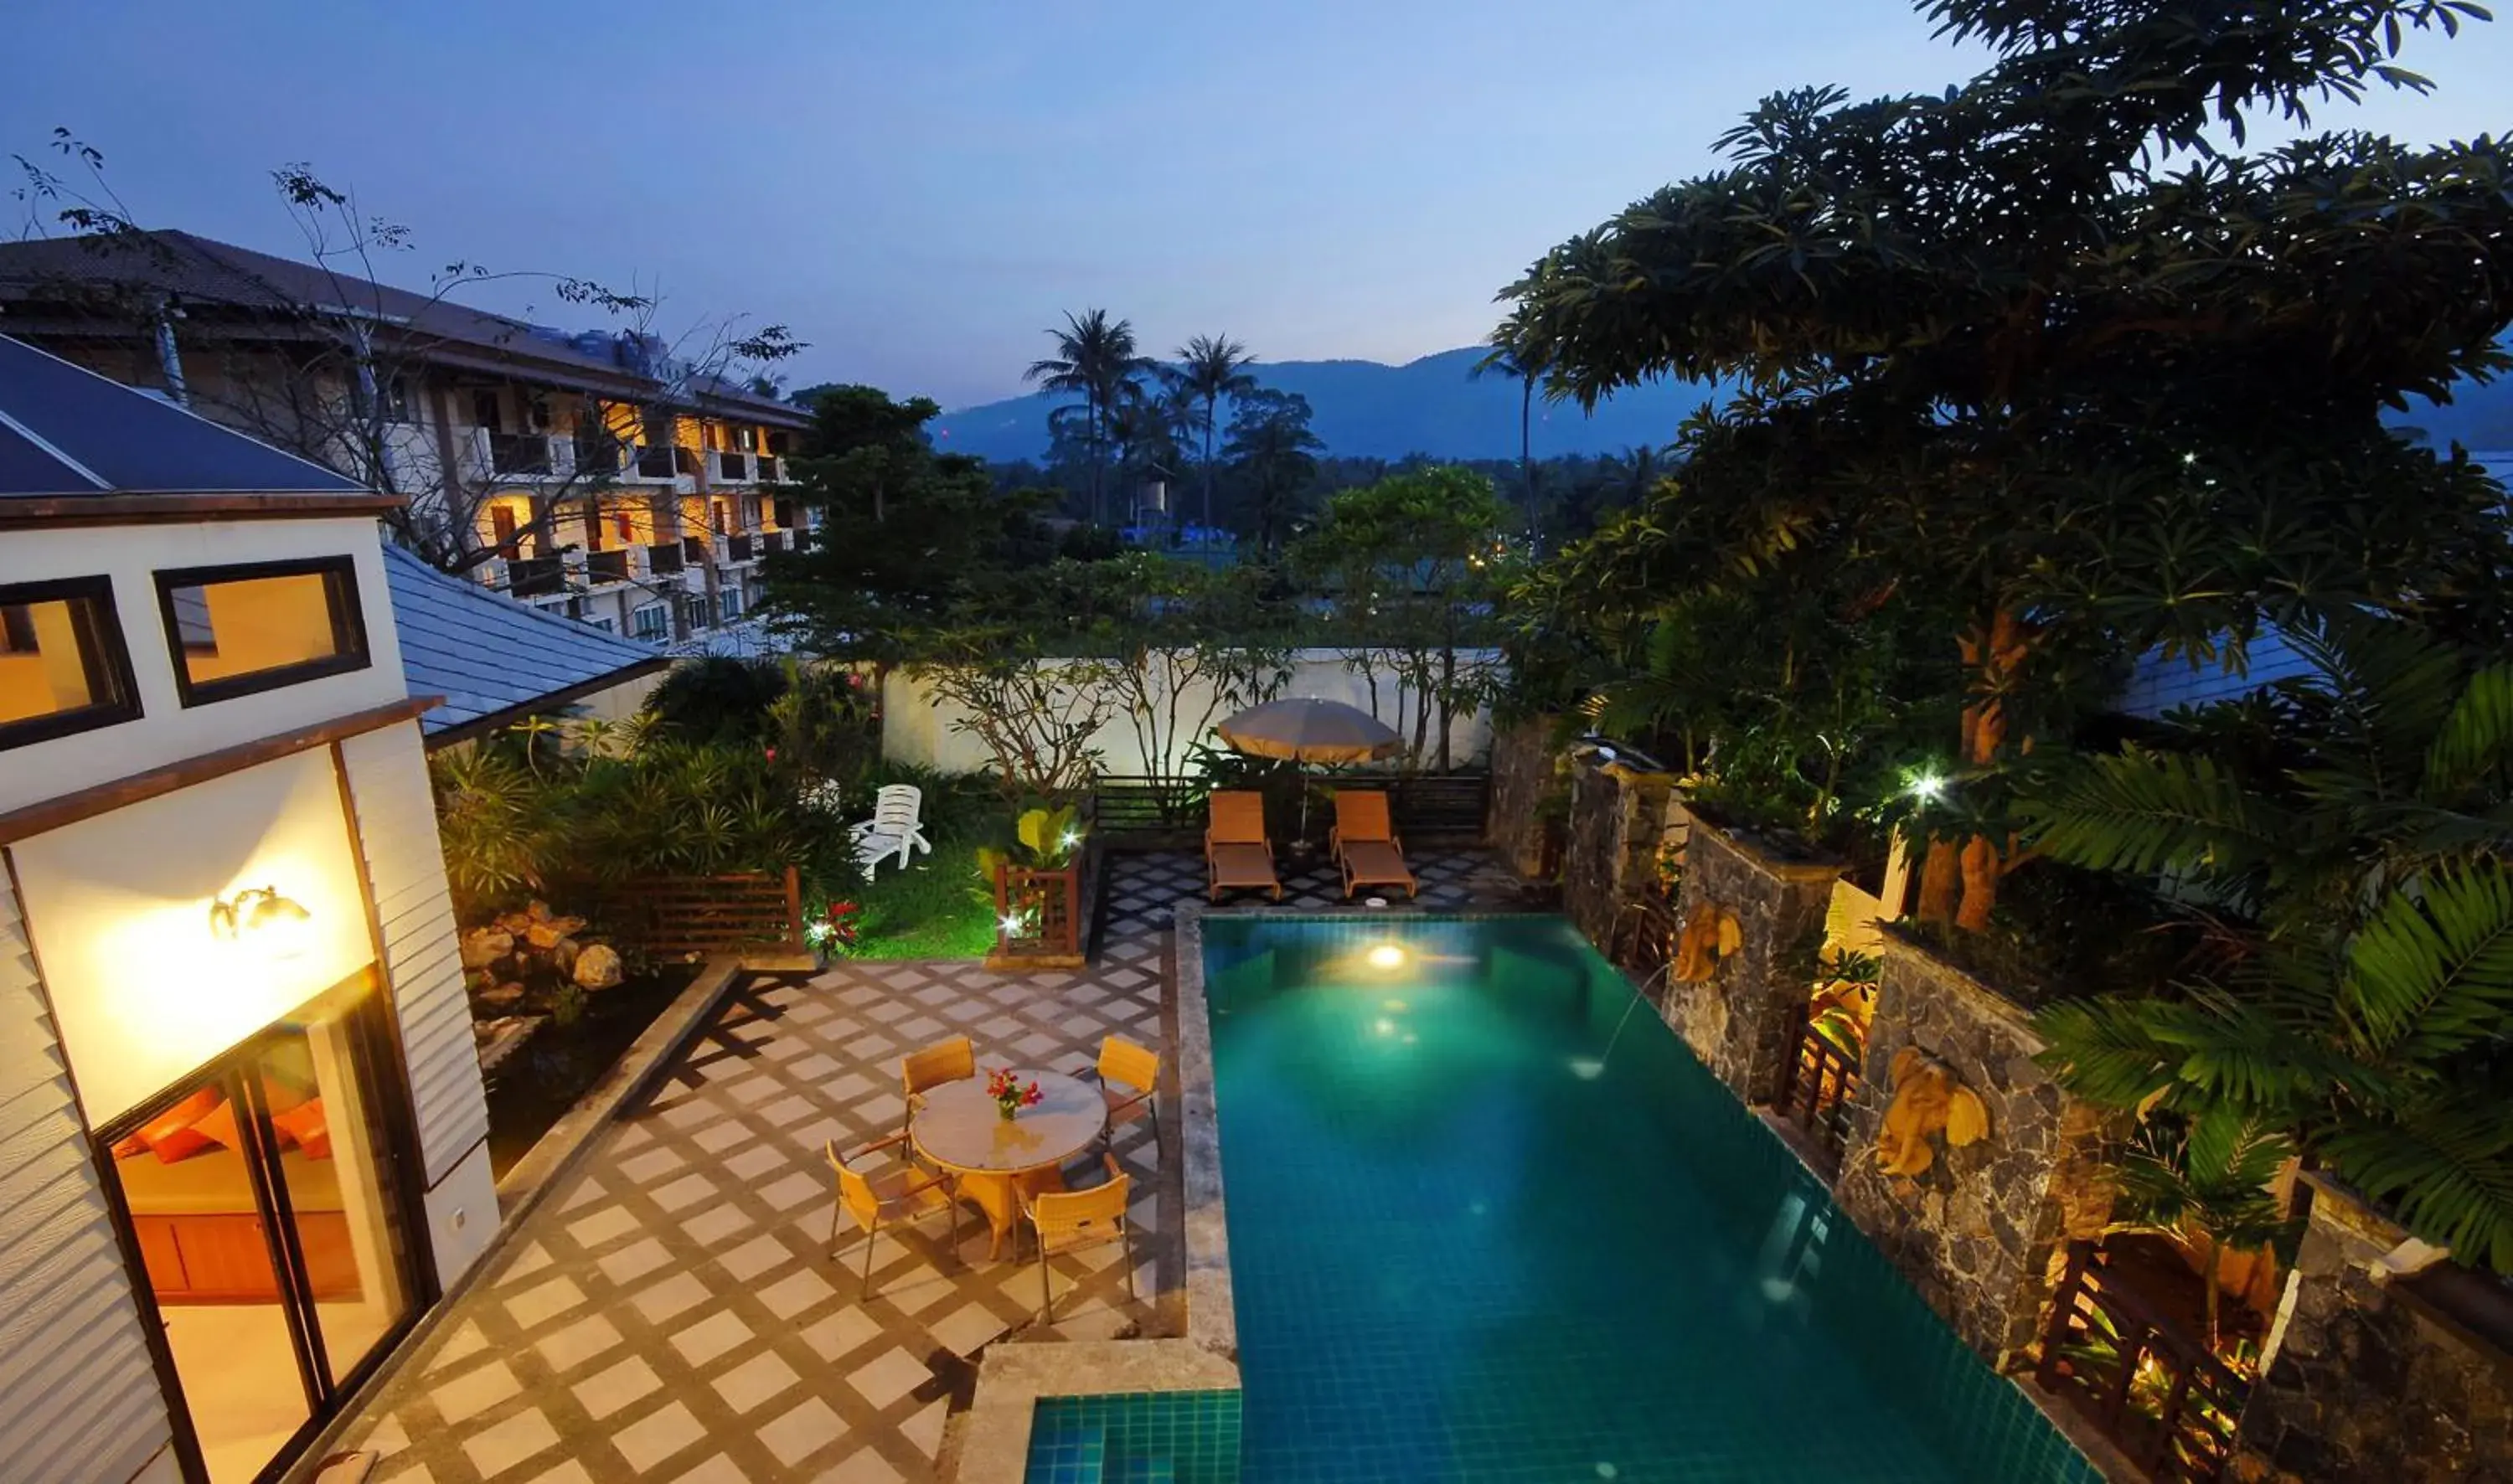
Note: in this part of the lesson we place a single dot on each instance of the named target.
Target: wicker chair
(1129, 1079)
(949, 1060)
(902, 1193)
(1074, 1221)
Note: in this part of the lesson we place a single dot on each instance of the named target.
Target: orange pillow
(134, 1144)
(218, 1127)
(305, 1123)
(180, 1117)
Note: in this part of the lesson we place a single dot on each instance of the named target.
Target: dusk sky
(918, 189)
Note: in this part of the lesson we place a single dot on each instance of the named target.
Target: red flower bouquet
(1011, 1093)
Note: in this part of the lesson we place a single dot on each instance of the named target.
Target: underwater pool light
(1386, 956)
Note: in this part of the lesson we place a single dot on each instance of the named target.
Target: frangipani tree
(2040, 349)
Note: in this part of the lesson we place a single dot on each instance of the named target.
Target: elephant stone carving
(1710, 934)
(1927, 1099)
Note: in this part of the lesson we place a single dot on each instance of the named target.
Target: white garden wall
(916, 727)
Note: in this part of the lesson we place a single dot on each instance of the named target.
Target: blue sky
(917, 188)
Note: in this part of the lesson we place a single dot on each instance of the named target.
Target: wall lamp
(260, 915)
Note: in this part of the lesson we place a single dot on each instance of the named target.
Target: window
(235, 630)
(728, 604)
(693, 612)
(484, 411)
(63, 665)
(394, 393)
(606, 623)
(653, 621)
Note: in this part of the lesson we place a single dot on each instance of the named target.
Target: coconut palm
(1097, 359)
(2207, 1177)
(1518, 355)
(1211, 367)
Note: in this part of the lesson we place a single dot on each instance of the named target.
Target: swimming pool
(1484, 1224)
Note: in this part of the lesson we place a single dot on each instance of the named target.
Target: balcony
(601, 567)
(775, 541)
(536, 576)
(739, 548)
(772, 469)
(661, 465)
(727, 467)
(597, 456)
(694, 549)
(526, 455)
(663, 557)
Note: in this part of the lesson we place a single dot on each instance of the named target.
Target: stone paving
(673, 1312)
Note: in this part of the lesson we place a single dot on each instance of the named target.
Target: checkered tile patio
(672, 1312)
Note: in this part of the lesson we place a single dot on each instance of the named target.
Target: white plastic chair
(896, 828)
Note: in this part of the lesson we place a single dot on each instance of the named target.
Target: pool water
(1485, 1225)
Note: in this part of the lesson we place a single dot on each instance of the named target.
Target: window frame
(110, 662)
(348, 626)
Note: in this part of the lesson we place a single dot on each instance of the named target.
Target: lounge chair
(1364, 843)
(895, 829)
(1237, 852)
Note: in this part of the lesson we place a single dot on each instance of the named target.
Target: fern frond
(2141, 812)
(2445, 1168)
(2431, 972)
(2476, 740)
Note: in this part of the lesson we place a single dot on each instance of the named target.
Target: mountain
(1432, 405)
(1363, 408)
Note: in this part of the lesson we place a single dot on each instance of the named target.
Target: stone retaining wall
(1743, 1021)
(2369, 1380)
(1617, 816)
(1526, 771)
(1979, 1232)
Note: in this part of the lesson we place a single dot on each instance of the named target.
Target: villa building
(241, 1126)
(594, 476)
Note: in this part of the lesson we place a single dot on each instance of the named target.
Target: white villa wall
(167, 730)
(78, 1395)
(920, 729)
(404, 860)
(119, 911)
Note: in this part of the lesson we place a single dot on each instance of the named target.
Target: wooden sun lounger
(1374, 863)
(1237, 853)
(1366, 847)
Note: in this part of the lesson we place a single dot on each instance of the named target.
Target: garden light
(1927, 787)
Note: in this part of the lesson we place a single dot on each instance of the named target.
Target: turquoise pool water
(1476, 1233)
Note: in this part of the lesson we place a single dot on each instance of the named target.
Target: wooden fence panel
(672, 916)
(2151, 1387)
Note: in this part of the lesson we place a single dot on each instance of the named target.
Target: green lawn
(929, 910)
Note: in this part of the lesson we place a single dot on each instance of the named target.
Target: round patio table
(959, 1128)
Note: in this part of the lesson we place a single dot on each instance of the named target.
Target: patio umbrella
(1309, 729)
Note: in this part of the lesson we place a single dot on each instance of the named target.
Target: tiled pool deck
(670, 1312)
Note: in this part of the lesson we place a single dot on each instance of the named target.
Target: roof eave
(19, 512)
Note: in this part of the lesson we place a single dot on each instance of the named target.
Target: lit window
(236, 629)
(63, 665)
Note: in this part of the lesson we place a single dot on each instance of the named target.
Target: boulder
(505, 997)
(562, 954)
(546, 932)
(597, 966)
(485, 946)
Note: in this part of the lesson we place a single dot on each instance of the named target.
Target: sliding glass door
(265, 1207)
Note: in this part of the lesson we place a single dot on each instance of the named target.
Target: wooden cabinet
(225, 1259)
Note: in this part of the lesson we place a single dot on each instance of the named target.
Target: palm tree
(2207, 1177)
(1211, 367)
(1098, 359)
(1515, 354)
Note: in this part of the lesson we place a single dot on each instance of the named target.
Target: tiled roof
(495, 659)
(44, 273)
(65, 431)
